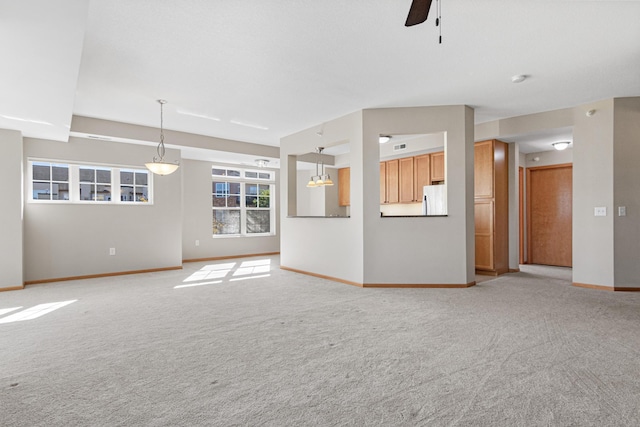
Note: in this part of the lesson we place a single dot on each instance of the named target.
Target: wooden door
(422, 175)
(405, 180)
(549, 215)
(344, 186)
(437, 167)
(392, 181)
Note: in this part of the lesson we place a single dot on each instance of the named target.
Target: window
(242, 202)
(95, 184)
(134, 186)
(50, 181)
(76, 183)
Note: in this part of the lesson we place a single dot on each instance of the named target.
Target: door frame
(522, 258)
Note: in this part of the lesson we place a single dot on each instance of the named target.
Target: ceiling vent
(399, 147)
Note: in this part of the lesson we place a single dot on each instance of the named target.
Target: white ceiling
(287, 65)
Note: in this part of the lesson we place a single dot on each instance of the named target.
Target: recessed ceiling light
(518, 78)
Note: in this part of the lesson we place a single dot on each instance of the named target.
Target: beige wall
(11, 270)
(626, 157)
(196, 223)
(421, 250)
(593, 171)
(66, 240)
(326, 246)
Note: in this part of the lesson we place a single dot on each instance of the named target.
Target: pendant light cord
(161, 150)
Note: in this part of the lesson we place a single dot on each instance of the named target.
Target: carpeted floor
(243, 343)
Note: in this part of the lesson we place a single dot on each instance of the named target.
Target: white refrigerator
(434, 200)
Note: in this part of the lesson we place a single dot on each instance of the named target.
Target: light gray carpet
(524, 349)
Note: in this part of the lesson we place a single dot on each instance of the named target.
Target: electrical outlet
(197, 242)
(112, 251)
(600, 211)
(622, 211)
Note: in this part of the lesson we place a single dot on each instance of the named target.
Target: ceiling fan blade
(418, 12)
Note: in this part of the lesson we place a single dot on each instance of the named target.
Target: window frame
(243, 180)
(74, 182)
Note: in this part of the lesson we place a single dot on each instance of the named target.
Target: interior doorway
(549, 215)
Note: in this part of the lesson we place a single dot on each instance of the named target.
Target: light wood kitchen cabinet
(344, 186)
(422, 175)
(402, 180)
(392, 181)
(406, 180)
(383, 183)
(437, 167)
(491, 179)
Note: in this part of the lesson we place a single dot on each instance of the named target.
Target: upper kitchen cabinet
(422, 173)
(392, 181)
(406, 180)
(491, 177)
(437, 167)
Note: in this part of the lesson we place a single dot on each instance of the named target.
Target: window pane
(233, 201)
(60, 173)
(41, 191)
(104, 176)
(226, 221)
(264, 175)
(234, 188)
(219, 201)
(41, 172)
(258, 221)
(252, 202)
(142, 194)
(86, 191)
(87, 175)
(142, 178)
(232, 172)
(252, 189)
(220, 188)
(264, 202)
(103, 193)
(60, 191)
(251, 174)
(126, 178)
(219, 172)
(126, 193)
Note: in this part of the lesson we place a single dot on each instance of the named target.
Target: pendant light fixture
(159, 166)
(319, 179)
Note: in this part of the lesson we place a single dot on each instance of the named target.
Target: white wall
(422, 250)
(67, 240)
(11, 272)
(197, 220)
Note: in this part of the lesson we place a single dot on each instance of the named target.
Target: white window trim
(243, 208)
(74, 183)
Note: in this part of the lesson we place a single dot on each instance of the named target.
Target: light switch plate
(622, 211)
(600, 211)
